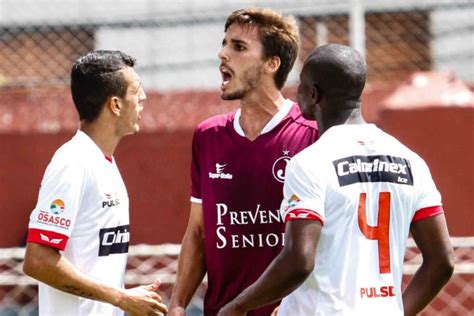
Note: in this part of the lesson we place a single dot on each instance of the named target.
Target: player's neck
(346, 117)
(103, 136)
(257, 111)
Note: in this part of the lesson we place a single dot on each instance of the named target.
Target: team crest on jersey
(57, 206)
(279, 166)
(220, 173)
(293, 201)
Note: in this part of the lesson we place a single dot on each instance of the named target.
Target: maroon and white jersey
(82, 210)
(366, 188)
(239, 183)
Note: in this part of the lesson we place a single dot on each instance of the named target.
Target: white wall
(183, 54)
(170, 58)
(453, 41)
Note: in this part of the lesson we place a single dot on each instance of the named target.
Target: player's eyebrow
(136, 85)
(234, 41)
(237, 41)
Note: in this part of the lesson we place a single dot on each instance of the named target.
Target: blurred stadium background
(420, 88)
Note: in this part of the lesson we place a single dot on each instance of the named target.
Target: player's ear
(272, 64)
(113, 103)
(317, 94)
(314, 94)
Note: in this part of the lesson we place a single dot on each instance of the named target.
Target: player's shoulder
(68, 151)
(312, 156)
(75, 153)
(397, 146)
(297, 118)
(215, 123)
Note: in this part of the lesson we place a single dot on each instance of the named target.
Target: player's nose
(223, 56)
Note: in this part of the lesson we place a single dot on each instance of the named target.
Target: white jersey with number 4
(366, 188)
(82, 211)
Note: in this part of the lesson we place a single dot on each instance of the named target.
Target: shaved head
(331, 85)
(338, 71)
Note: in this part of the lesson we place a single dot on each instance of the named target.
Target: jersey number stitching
(379, 232)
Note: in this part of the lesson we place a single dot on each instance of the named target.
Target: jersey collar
(277, 118)
(350, 129)
(87, 140)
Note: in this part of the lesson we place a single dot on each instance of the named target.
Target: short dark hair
(278, 34)
(95, 77)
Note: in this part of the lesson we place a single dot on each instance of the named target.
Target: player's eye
(239, 47)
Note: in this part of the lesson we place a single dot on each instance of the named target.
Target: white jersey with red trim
(82, 210)
(366, 188)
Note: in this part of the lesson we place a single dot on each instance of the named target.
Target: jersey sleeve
(428, 197)
(303, 194)
(196, 170)
(52, 220)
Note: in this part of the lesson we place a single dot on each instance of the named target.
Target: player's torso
(374, 219)
(98, 234)
(369, 206)
(101, 228)
(241, 187)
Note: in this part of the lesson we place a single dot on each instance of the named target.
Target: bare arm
(47, 265)
(432, 238)
(191, 265)
(286, 272)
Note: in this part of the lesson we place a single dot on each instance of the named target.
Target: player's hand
(177, 311)
(230, 310)
(143, 301)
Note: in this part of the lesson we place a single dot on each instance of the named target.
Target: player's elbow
(301, 272)
(445, 266)
(302, 266)
(37, 259)
(31, 264)
(299, 260)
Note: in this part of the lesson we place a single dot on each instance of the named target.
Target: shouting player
(78, 234)
(350, 201)
(235, 228)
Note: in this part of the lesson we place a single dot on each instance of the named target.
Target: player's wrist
(177, 310)
(178, 301)
(237, 306)
(118, 298)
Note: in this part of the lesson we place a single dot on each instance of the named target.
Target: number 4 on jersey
(379, 232)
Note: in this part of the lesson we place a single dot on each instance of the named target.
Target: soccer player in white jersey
(350, 202)
(78, 233)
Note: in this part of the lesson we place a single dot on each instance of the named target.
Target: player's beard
(251, 80)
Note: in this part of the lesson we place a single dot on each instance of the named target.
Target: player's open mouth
(226, 75)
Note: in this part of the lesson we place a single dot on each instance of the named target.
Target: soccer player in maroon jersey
(238, 162)
(350, 202)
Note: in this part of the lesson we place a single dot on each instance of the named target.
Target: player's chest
(107, 198)
(237, 165)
